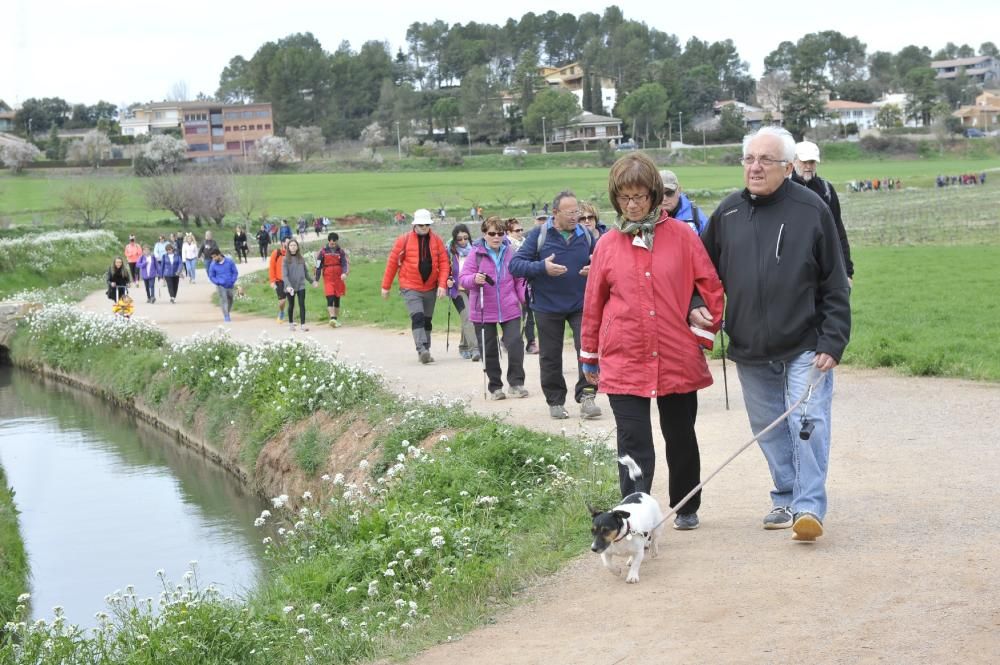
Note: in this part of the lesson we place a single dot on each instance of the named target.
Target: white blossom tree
(305, 141)
(162, 154)
(273, 150)
(91, 149)
(373, 136)
(16, 156)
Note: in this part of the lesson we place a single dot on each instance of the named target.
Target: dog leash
(803, 400)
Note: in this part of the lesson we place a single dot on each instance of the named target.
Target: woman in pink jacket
(495, 298)
(636, 343)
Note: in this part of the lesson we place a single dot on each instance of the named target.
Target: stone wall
(10, 313)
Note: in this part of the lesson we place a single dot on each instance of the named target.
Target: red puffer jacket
(404, 258)
(636, 307)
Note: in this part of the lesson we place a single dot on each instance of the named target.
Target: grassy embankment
(13, 560)
(445, 518)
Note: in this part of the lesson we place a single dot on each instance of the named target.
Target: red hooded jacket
(635, 312)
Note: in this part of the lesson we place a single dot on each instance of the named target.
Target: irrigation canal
(106, 501)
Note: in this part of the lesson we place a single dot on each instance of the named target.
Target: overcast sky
(124, 52)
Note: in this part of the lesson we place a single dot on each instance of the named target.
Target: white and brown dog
(627, 529)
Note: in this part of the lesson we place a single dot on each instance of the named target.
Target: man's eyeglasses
(495, 234)
(569, 213)
(669, 192)
(765, 162)
(624, 199)
(584, 218)
(422, 226)
(517, 231)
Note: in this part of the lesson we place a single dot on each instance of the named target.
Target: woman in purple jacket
(495, 297)
(148, 271)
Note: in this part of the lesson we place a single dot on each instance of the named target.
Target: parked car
(627, 145)
(973, 133)
(514, 151)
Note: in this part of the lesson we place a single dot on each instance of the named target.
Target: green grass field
(33, 198)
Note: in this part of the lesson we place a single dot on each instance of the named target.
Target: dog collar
(629, 533)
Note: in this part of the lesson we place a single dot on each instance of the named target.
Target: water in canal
(106, 501)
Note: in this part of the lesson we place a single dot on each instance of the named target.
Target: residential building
(210, 129)
(570, 78)
(984, 114)
(843, 112)
(151, 119)
(753, 116)
(6, 117)
(980, 68)
(587, 128)
(214, 130)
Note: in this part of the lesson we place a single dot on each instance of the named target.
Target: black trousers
(512, 344)
(263, 250)
(635, 437)
(301, 297)
(172, 281)
(551, 332)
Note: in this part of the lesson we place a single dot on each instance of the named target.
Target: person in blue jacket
(148, 271)
(555, 259)
(171, 266)
(679, 206)
(223, 273)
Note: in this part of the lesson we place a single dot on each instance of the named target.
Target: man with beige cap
(806, 159)
(679, 206)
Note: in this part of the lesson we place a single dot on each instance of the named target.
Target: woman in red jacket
(636, 343)
(421, 260)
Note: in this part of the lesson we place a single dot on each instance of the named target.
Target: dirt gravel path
(906, 573)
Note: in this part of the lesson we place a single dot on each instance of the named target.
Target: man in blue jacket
(555, 259)
(679, 206)
(222, 272)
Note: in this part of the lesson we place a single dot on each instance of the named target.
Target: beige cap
(670, 181)
(807, 151)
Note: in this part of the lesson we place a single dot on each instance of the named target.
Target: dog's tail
(634, 472)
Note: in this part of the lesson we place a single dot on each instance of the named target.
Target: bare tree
(16, 156)
(91, 149)
(249, 199)
(176, 194)
(305, 141)
(771, 88)
(178, 92)
(91, 203)
(214, 196)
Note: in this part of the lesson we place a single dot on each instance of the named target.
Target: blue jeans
(189, 265)
(798, 467)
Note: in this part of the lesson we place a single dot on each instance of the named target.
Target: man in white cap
(420, 258)
(806, 159)
(679, 206)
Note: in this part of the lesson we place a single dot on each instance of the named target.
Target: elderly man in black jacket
(788, 316)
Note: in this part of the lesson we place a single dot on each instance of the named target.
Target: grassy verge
(447, 515)
(46, 260)
(13, 560)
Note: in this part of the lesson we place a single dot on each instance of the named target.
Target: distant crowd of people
(875, 185)
(963, 179)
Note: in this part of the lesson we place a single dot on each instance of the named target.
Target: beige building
(984, 114)
(570, 78)
(588, 128)
(980, 68)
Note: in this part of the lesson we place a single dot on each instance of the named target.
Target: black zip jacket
(780, 261)
(825, 191)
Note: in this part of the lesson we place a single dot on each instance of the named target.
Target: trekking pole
(725, 378)
(482, 345)
(447, 334)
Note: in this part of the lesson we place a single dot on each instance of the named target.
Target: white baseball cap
(422, 216)
(807, 151)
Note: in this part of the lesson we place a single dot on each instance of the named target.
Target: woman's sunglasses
(495, 234)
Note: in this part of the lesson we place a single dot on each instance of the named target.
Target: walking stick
(482, 328)
(447, 334)
(725, 378)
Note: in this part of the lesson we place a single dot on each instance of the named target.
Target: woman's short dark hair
(332, 236)
(493, 222)
(635, 170)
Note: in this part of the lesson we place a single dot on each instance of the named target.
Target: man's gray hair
(787, 141)
(567, 194)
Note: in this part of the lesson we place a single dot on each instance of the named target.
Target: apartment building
(210, 129)
(570, 78)
(214, 130)
(980, 68)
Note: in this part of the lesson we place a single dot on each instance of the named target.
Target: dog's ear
(623, 514)
(594, 512)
